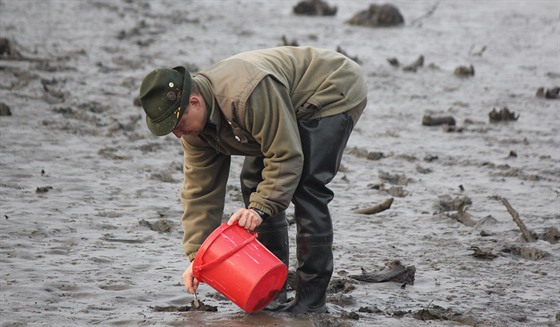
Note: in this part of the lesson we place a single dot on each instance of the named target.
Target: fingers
(246, 218)
(191, 283)
(235, 217)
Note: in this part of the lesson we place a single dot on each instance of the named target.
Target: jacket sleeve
(271, 119)
(203, 192)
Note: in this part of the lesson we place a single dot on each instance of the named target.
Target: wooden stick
(376, 209)
(526, 234)
(429, 13)
(464, 218)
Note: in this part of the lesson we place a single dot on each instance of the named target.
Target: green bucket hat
(164, 95)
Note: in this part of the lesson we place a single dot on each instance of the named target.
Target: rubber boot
(273, 232)
(323, 143)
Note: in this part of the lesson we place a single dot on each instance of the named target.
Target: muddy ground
(89, 226)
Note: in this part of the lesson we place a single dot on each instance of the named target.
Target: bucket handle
(226, 255)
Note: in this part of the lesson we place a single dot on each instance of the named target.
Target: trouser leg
(323, 143)
(273, 232)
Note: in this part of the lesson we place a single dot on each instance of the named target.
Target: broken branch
(526, 234)
(377, 208)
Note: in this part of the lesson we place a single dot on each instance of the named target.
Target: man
(290, 111)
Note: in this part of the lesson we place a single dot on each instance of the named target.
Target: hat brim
(162, 128)
(167, 125)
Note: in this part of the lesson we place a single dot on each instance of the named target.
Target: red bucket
(233, 262)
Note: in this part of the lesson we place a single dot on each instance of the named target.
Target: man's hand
(246, 218)
(191, 283)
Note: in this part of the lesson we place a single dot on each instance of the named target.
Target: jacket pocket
(308, 110)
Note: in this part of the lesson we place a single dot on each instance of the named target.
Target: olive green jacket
(255, 99)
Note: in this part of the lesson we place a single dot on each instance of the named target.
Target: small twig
(377, 208)
(429, 13)
(480, 52)
(526, 234)
(464, 218)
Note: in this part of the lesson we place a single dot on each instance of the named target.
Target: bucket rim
(206, 244)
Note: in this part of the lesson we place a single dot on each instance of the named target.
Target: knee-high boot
(273, 232)
(323, 142)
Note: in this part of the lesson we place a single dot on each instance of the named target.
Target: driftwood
(552, 93)
(314, 8)
(526, 234)
(393, 62)
(341, 51)
(503, 115)
(394, 271)
(464, 71)
(430, 12)
(483, 252)
(419, 62)
(5, 109)
(463, 217)
(377, 16)
(286, 42)
(428, 120)
(377, 208)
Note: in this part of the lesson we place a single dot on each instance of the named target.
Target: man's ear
(194, 101)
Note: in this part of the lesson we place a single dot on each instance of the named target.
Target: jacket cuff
(264, 215)
(258, 206)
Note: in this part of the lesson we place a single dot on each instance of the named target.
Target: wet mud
(90, 216)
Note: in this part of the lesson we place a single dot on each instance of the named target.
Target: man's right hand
(191, 283)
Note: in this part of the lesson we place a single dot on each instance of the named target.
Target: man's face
(192, 122)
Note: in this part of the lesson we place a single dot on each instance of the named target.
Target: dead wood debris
(377, 16)
(527, 235)
(314, 8)
(341, 51)
(288, 43)
(417, 21)
(503, 115)
(393, 271)
(363, 153)
(413, 67)
(43, 189)
(463, 217)
(395, 179)
(551, 235)
(464, 71)
(435, 312)
(376, 209)
(393, 62)
(429, 120)
(452, 129)
(5, 109)
(445, 204)
(8, 50)
(478, 53)
(552, 93)
(526, 252)
(482, 252)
